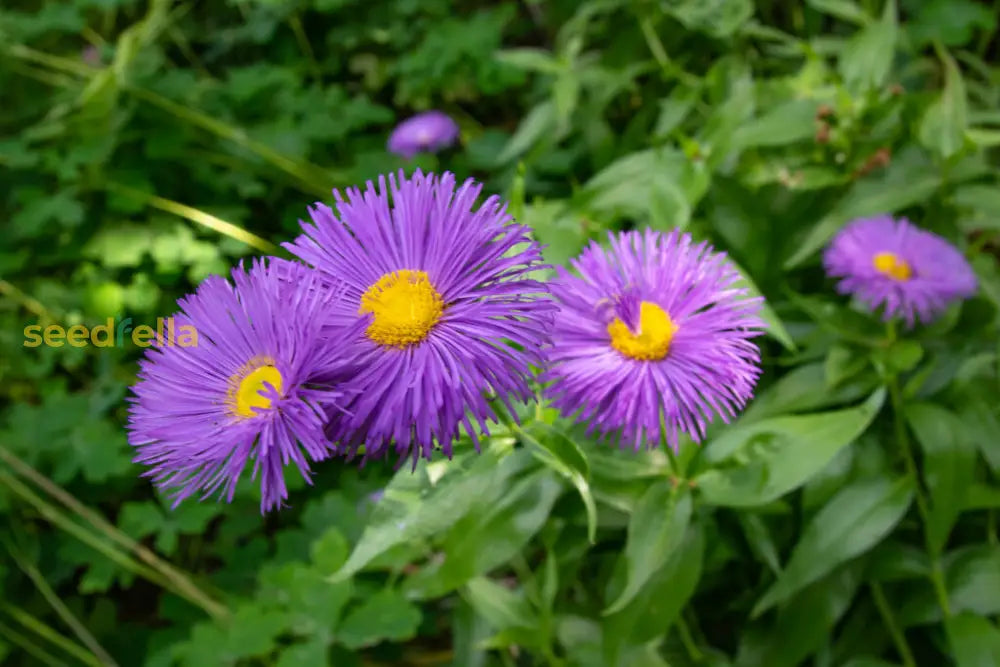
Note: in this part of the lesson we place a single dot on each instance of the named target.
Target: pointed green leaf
(850, 524)
(654, 531)
(763, 460)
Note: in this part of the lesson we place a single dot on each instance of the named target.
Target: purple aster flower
(444, 290)
(652, 338)
(911, 271)
(428, 131)
(257, 384)
(91, 55)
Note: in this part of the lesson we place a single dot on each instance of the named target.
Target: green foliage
(847, 517)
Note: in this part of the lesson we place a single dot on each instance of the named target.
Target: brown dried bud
(824, 111)
(823, 133)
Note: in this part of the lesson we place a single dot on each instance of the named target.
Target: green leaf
(490, 536)
(311, 653)
(803, 626)
(805, 388)
(500, 606)
(531, 59)
(766, 459)
(386, 615)
(654, 532)
(657, 185)
(719, 18)
(942, 128)
(842, 9)
(558, 451)
(973, 576)
(949, 466)
(759, 538)
(654, 610)
(850, 524)
(974, 640)
(253, 631)
(427, 501)
(784, 124)
(536, 124)
(952, 22)
(866, 59)
(329, 552)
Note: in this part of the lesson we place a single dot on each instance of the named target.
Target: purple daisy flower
(428, 131)
(912, 272)
(257, 384)
(652, 338)
(443, 289)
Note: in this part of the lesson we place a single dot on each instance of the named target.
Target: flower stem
(898, 638)
(903, 441)
(689, 644)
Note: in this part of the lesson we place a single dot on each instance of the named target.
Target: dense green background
(847, 519)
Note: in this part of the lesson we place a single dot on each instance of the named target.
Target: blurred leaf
(867, 58)
(942, 128)
(801, 627)
(539, 122)
(718, 18)
(787, 123)
(384, 615)
(850, 524)
(311, 653)
(530, 59)
(952, 22)
(974, 640)
(659, 604)
(655, 531)
(949, 466)
(764, 460)
(842, 9)
(500, 606)
(329, 552)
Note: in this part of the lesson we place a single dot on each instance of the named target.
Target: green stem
(81, 632)
(163, 573)
(689, 644)
(903, 441)
(295, 22)
(669, 68)
(29, 647)
(898, 638)
(51, 635)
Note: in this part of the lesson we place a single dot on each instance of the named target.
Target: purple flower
(444, 290)
(428, 131)
(91, 55)
(256, 386)
(652, 338)
(910, 271)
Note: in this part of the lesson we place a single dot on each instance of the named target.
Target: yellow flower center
(652, 342)
(892, 265)
(405, 307)
(248, 384)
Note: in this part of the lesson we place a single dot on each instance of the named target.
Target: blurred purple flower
(652, 338)
(429, 131)
(91, 55)
(892, 263)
